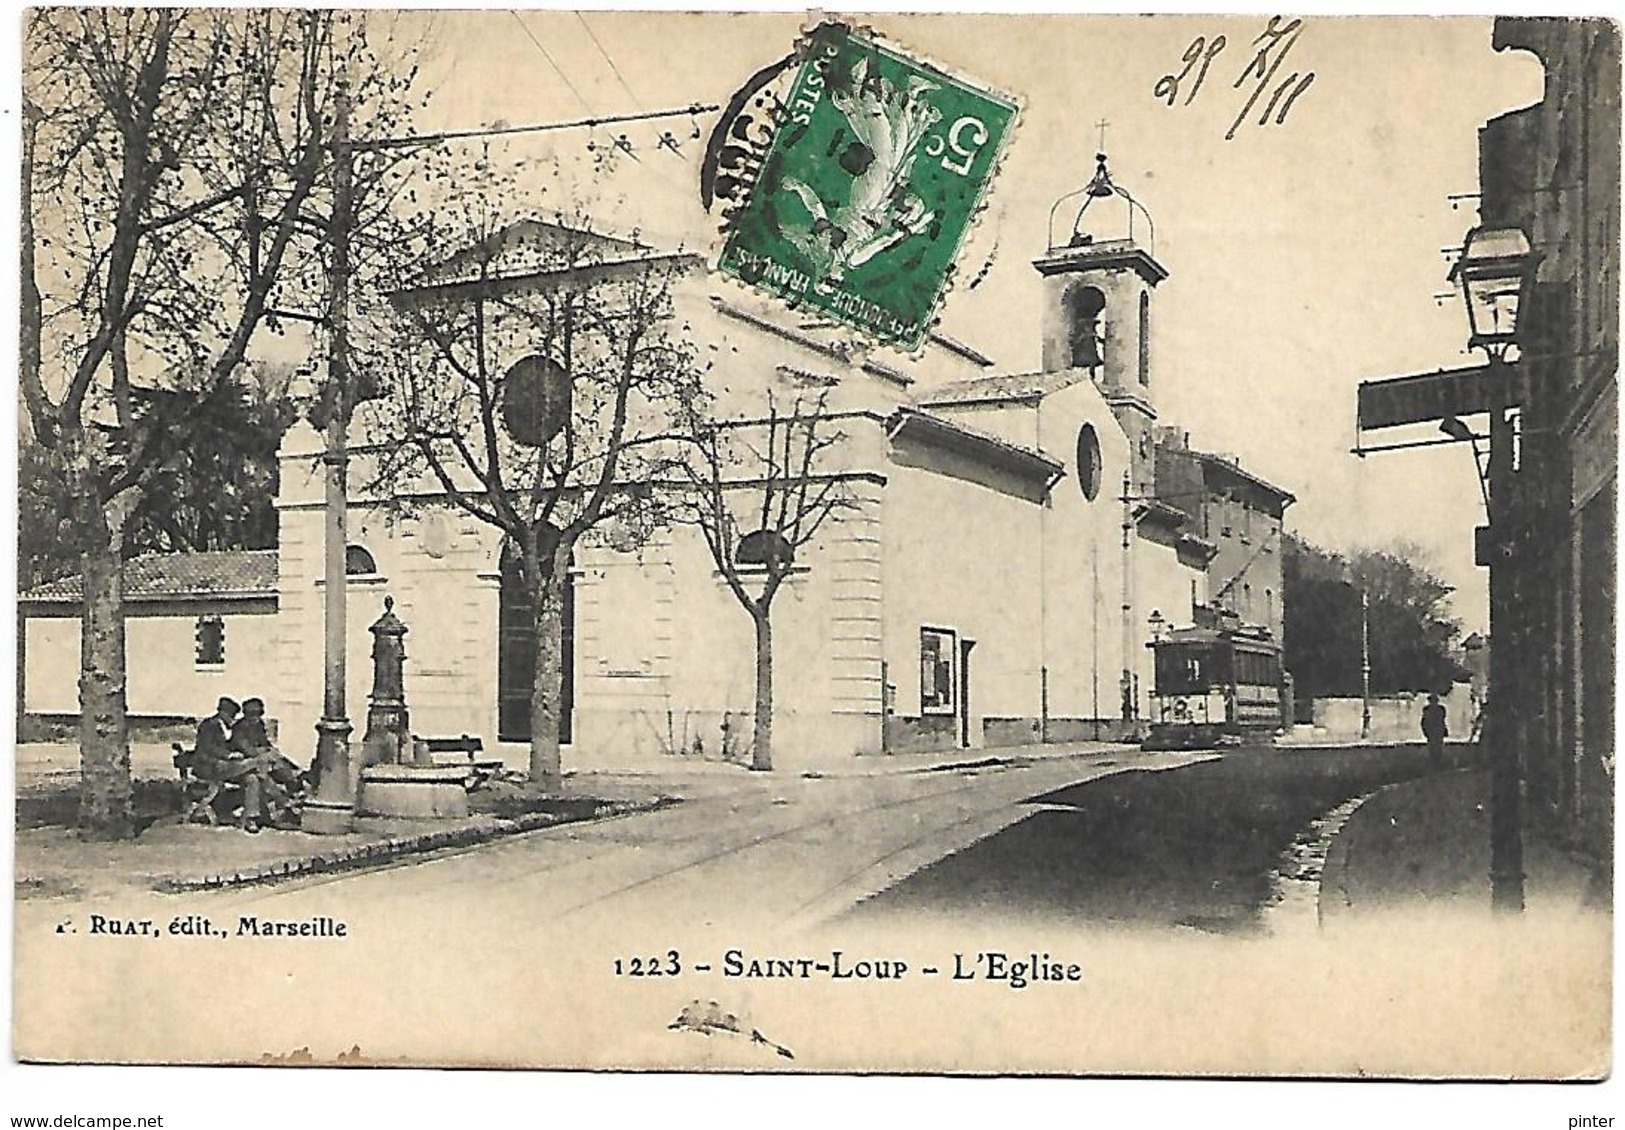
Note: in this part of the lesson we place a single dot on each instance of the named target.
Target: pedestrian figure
(214, 759)
(1434, 729)
(283, 783)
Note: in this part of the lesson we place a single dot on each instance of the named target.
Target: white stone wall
(1084, 558)
(665, 655)
(438, 564)
(163, 676)
(1042, 582)
(964, 558)
(1393, 717)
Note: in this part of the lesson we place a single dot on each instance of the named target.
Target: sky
(1304, 257)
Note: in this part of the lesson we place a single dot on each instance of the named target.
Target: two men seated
(234, 748)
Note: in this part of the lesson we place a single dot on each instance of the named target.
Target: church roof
(982, 445)
(523, 243)
(1005, 387)
(179, 576)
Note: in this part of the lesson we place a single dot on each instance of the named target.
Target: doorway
(517, 651)
(965, 647)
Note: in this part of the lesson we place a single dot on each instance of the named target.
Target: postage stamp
(873, 176)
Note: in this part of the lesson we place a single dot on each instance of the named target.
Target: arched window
(358, 562)
(1088, 330)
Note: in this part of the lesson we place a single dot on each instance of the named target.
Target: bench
(464, 752)
(198, 795)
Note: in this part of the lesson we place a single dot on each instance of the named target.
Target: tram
(1214, 686)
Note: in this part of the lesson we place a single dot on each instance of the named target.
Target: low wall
(1032, 731)
(623, 738)
(921, 735)
(1393, 717)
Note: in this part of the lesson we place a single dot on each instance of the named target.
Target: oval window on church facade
(1088, 461)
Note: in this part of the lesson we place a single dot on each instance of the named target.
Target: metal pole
(1483, 477)
(1506, 819)
(1365, 662)
(1130, 699)
(1043, 705)
(332, 810)
(1094, 643)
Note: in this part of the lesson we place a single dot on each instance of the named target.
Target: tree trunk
(547, 691)
(761, 753)
(105, 811)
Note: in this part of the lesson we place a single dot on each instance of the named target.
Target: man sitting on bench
(249, 738)
(215, 760)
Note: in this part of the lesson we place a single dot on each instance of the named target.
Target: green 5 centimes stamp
(875, 170)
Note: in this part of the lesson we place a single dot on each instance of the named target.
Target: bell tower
(1098, 285)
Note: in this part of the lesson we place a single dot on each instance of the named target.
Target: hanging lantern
(1496, 272)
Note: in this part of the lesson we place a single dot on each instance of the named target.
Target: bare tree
(171, 160)
(759, 490)
(536, 382)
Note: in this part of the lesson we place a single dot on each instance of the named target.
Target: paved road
(745, 851)
(513, 953)
(1193, 848)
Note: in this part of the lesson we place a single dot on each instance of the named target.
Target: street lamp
(1496, 272)
(1157, 622)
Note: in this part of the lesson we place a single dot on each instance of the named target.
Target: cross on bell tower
(1099, 276)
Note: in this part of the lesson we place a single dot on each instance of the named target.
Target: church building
(991, 582)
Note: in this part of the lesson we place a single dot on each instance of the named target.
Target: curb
(1341, 885)
(1298, 882)
(363, 856)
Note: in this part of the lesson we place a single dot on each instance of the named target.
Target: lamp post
(1496, 271)
(332, 809)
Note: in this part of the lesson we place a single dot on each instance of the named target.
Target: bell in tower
(1099, 275)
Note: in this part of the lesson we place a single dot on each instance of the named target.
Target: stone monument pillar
(388, 740)
(398, 778)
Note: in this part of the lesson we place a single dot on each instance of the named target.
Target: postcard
(818, 542)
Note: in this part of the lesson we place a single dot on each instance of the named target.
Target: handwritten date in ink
(1270, 50)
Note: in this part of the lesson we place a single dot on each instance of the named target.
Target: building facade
(1553, 170)
(971, 593)
(198, 626)
(990, 582)
(1237, 517)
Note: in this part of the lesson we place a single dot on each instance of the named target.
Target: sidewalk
(169, 856)
(861, 765)
(1313, 737)
(1424, 844)
(949, 759)
(41, 764)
